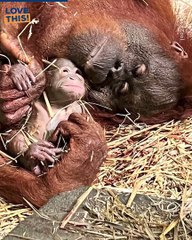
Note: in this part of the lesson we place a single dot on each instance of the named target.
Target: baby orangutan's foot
(22, 77)
(39, 156)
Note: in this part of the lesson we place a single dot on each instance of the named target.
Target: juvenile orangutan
(65, 86)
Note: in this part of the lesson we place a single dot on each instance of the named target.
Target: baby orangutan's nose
(76, 78)
(72, 78)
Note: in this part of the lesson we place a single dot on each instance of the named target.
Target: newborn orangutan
(65, 86)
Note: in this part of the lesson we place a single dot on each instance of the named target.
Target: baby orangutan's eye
(66, 70)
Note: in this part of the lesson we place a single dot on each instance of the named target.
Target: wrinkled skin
(65, 83)
(39, 156)
(22, 77)
(148, 80)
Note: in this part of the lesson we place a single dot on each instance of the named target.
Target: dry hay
(155, 159)
(152, 160)
(183, 11)
(10, 216)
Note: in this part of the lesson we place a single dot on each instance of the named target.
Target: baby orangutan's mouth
(75, 88)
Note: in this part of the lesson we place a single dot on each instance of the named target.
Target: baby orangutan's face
(65, 83)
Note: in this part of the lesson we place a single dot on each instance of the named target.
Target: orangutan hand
(14, 103)
(86, 149)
